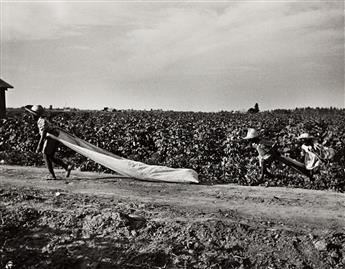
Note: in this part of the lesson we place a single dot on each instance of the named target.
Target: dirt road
(105, 221)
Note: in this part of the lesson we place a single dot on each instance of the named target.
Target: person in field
(46, 144)
(267, 152)
(309, 151)
(313, 152)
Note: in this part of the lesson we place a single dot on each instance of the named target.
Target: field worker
(266, 149)
(313, 152)
(46, 144)
(309, 149)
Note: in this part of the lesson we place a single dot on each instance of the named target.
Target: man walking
(46, 144)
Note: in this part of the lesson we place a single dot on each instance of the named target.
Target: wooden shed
(3, 87)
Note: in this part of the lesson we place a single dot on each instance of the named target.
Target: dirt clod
(321, 245)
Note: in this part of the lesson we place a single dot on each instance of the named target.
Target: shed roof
(4, 84)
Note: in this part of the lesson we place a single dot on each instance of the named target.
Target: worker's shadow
(117, 178)
(100, 179)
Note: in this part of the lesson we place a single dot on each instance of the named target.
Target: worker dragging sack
(46, 144)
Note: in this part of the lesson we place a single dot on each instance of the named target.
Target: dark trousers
(298, 166)
(49, 149)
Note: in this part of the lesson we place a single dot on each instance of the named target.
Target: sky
(173, 55)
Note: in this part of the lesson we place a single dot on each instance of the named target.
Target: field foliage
(210, 143)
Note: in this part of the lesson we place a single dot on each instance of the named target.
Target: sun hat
(252, 133)
(305, 136)
(36, 110)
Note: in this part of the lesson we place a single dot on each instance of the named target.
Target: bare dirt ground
(96, 220)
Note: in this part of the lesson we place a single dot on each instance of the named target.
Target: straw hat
(305, 136)
(36, 110)
(252, 133)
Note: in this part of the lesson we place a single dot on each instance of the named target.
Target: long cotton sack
(124, 166)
